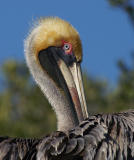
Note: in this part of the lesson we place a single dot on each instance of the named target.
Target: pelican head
(53, 53)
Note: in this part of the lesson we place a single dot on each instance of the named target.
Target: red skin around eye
(69, 51)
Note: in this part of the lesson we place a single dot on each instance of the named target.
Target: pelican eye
(67, 47)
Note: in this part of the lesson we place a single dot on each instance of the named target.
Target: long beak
(72, 76)
(57, 66)
(77, 76)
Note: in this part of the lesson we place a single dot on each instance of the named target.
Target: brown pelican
(53, 54)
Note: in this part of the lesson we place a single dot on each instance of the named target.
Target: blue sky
(106, 32)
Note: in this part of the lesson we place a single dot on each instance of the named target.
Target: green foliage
(125, 90)
(96, 92)
(23, 109)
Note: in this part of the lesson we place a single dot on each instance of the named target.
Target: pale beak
(77, 76)
(73, 78)
(66, 73)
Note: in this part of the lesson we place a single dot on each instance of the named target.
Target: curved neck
(66, 115)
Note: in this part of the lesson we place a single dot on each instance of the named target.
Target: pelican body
(53, 53)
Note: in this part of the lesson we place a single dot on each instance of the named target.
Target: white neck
(66, 116)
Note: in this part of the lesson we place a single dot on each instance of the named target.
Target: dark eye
(66, 47)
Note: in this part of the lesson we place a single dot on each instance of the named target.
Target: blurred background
(106, 28)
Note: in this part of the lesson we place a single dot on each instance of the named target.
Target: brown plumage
(100, 137)
(56, 69)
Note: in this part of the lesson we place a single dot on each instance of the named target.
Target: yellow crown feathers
(51, 32)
